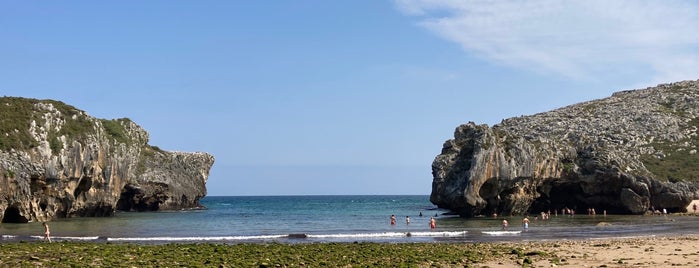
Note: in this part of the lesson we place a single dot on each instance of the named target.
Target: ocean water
(302, 219)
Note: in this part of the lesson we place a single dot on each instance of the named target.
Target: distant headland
(57, 161)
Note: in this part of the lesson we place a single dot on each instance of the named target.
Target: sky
(315, 97)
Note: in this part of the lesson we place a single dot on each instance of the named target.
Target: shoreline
(651, 251)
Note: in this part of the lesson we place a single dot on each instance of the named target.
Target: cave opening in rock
(12, 215)
(132, 198)
(558, 196)
(127, 199)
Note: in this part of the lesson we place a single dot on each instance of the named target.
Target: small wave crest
(288, 236)
(501, 233)
(196, 238)
(72, 238)
(390, 234)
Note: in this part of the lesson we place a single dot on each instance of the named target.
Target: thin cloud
(575, 39)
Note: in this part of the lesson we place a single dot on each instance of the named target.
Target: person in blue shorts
(525, 223)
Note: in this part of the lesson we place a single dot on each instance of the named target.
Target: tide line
(291, 236)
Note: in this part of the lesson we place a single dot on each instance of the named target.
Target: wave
(197, 238)
(41, 237)
(289, 236)
(501, 233)
(340, 236)
(81, 238)
(389, 234)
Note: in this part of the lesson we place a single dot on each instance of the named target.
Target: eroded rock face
(628, 153)
(57, 161)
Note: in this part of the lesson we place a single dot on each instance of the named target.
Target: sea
(356, 218)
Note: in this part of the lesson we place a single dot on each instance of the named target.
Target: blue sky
(334, 97)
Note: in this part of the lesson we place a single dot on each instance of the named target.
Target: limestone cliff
(628, 153)
(57, 161)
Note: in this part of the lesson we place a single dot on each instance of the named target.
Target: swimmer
(504, 224)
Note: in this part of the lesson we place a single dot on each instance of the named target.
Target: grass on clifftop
(679, 163)
(14, 123)
(18, 114)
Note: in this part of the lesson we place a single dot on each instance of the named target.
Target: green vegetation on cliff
(14, 123)
(678, 161)
(19, 113)
(115, 129)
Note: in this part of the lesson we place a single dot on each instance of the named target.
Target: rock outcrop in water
(57, 162)
(628, 153)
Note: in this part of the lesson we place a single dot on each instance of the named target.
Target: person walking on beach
(47, 233)
(504, 224)
(433, 223)
(393, 219)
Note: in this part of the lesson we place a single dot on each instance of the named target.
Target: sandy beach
(626, 252)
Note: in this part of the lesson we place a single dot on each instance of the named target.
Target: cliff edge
(629, 153)
(57, 161)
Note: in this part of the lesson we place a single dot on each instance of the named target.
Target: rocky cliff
(628, 153)
(56, 161)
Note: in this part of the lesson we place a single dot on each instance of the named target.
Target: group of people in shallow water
(433, 222)
(545, 215)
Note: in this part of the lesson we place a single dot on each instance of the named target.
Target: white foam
(390, 234)
(361, 235)
(67, 237)
(76, 237)
(501, 233)
(440, 234)
(273, 237)
(197, 238)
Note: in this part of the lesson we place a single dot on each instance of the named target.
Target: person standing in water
(47, 233)
(407, 220)
(393, 219)
(504, 224)
(525, 223)
(433, 223)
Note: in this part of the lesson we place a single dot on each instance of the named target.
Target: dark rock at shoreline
(626, 154)
(298, 236)
(57, 161)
